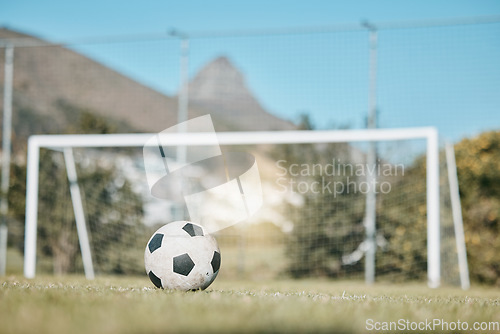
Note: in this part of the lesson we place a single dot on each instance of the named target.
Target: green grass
(131, 305)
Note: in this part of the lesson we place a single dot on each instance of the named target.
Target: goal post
(61, 142)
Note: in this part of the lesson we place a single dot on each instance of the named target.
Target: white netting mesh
(311, 222)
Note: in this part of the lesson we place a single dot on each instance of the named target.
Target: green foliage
(113, 210)
(114, 214)
(16, 198)
(329, 225)
(27, 122)
(321, 234)
(402, 221)
(478, 166)
(56, 235)
(78, 120)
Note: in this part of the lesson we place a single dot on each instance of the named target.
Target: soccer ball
(182, 256)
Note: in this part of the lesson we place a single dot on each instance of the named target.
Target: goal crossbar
(430, 134)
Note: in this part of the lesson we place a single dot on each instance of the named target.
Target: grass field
(131, 305)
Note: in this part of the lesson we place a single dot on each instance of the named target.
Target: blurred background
(110, 67)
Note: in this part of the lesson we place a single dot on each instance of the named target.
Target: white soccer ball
(182, 256)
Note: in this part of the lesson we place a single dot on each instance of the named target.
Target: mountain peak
(222, 61)
(56, 84)
(219, 80)
(220, 88)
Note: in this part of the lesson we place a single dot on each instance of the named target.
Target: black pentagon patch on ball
(193, 230)
(215, 261)
(155, 279)
(183, 264)
(155, 242)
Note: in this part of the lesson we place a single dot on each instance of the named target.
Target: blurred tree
(329, 224)
(322, 233)
(326, 226)
(113, 210)
(478, 167)
(402, 223)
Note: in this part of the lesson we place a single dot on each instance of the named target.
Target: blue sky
(58, 19)
(416, 88)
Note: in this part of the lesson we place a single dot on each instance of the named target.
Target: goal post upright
(458, 224)
(433, 224)
(430, 134)
(78, 210)
(31, 217)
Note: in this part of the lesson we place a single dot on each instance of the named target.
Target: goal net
(90, 208)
